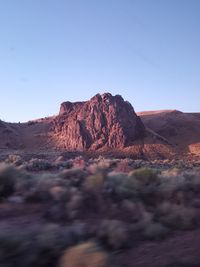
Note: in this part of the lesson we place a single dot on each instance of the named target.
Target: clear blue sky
(56, 50)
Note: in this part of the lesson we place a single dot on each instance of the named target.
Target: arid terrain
(98, 185)
(107, 124)
(182, 130)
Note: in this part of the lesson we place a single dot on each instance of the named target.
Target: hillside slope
(182, 130)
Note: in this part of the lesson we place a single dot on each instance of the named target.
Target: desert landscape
(107, 124)
(99, 133)
(98, 185)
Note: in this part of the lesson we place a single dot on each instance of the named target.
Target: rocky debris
(105, 121)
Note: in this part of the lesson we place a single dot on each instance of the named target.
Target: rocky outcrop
(105, 121)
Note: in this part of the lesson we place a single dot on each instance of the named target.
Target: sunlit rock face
(105, 121)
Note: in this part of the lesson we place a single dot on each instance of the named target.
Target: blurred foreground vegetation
(91, 210)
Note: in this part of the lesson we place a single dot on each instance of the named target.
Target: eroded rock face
(105, 121)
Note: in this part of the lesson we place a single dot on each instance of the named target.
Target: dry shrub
(139, 184)
(8, 178)
(145, 219)
(113, 233)
(58, 193)
(84, 255)
(124, 165)
(45, 187)
(195, 183)
(128, 207)
(79, 162)
(61, 163)
(14, 249)
(74, 205)
(14, 159)
(177, 216)
(101, 164)
(145, 176)
(94, 183)
(39, 245)
(134, 211)
(75, 176)
(173, 172)
(75, 201)
(93, 188)
(171, 183)
(155, 231)
(40, 189)
(39, 165)
(116, 186)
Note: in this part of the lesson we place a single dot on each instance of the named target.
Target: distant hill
(182, 130)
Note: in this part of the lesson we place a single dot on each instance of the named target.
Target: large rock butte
(105, 121)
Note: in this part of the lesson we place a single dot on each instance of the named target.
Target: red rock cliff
(105, 121)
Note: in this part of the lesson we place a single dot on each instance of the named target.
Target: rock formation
(105, 121)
